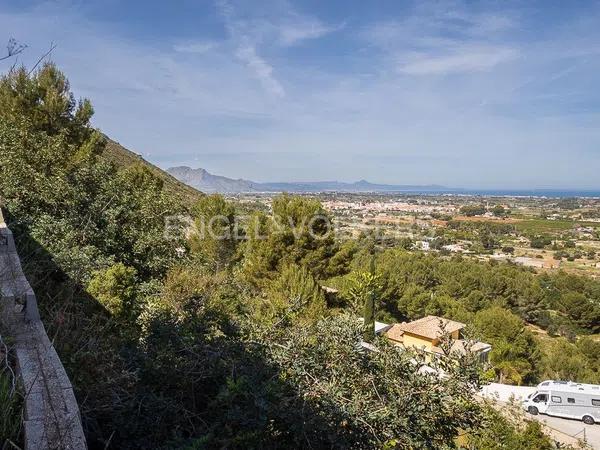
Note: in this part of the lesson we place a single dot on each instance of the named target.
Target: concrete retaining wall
(51, 416)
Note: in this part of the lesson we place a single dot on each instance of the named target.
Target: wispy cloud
(463, 59)
(274, 22)
(441, 23)
(444, 38)
(299, 28)
(263, 71)
(278, 24)
(194, 47)
(246, 50)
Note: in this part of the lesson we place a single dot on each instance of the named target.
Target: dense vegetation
(496, 300)
(233, 343)
(122, 157)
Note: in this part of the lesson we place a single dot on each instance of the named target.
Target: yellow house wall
(411, 340)
(420, 341)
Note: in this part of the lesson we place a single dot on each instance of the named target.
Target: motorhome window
(541, 398)
(596, 401)
(556, 399)
(570, 400)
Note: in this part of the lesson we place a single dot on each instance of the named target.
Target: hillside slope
(123, 157)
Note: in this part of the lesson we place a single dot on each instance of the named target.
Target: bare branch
(13, 48)
(52, 47)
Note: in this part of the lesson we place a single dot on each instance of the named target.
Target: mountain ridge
(203, 180)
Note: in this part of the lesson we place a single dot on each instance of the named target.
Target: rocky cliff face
(207, 182)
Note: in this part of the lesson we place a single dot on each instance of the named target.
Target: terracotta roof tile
(395, 333)
(429, 327)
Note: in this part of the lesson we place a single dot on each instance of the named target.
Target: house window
(556, 399)
(596, 401)
(570, 400)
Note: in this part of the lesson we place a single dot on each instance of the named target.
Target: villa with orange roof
(427, 334)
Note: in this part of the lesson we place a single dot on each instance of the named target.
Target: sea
(550, 193)
(542, 193)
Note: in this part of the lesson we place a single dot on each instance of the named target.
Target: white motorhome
(565, 399)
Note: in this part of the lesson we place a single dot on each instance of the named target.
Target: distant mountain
(358, 186)
(207, 182)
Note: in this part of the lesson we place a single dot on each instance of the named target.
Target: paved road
(573, 428)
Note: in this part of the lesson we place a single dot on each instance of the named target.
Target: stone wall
(51, 414)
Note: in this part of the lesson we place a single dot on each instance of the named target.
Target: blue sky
(466, 94)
